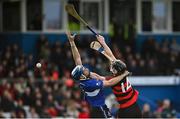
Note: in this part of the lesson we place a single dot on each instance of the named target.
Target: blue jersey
(93, 90)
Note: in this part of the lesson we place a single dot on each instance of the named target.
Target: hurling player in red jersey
(125, 94)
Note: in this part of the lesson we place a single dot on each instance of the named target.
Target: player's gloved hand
(119, 66)
(70, 36)
(100, 39)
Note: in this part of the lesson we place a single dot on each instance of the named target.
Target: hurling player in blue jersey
(92, 84)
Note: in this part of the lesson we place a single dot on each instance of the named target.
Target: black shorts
(100, 112)
(133, 111)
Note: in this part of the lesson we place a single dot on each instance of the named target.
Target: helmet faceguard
(78, 73)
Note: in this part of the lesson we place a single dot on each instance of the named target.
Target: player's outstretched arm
(75, 52)
(107, 49)
(97, 76)
(105, 46)
(115, 80)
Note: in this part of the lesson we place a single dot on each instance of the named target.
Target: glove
(119, 66)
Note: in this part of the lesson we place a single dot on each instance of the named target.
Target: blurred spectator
(20, 112)
(13, 114)
(152, 67)
(146, 111)
(40, 42)
(27, 97)
(32, 113)
(84, 113)
(142, 67)
(45, 51)
(159, 109)
(167, 111)
(148, 49)
(174, 46)
(38, 106)
(7, 102)
(133, 67)
(52, 112)
(57, 54)
(71, 109)
(1, 114)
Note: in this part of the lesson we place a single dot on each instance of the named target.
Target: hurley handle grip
(92, 31)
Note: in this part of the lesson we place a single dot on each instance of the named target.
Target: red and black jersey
(125, 94)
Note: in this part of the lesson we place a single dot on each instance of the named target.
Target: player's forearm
(117, 79)
(75, 54)
(96, 76)
(108, 50)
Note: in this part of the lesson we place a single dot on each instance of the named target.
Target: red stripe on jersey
(125, 97)
(118, 87)
(131, 101)
(116, 92)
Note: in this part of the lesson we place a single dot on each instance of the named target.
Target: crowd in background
(57, 94)
(56, 59)
(32, 99)
(154, 58)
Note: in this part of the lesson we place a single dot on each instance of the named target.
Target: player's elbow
(78, 61)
